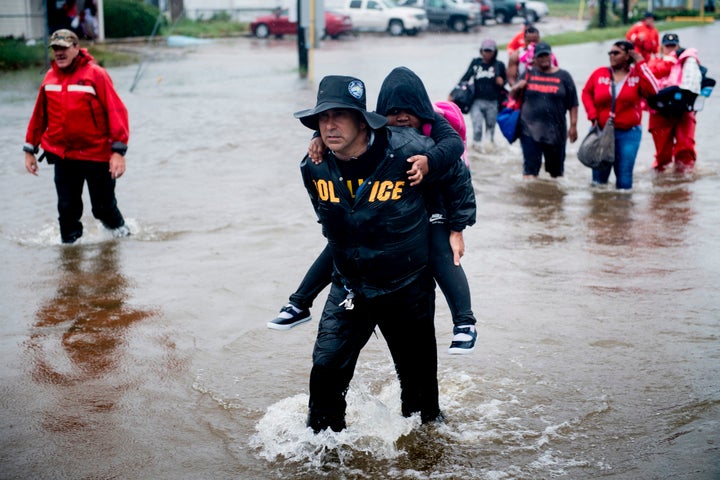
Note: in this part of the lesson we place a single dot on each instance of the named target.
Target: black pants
(70, 177)
(450, 277)
(316, 278)
(406, 321)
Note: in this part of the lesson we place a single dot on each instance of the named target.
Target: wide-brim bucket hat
(337, 91)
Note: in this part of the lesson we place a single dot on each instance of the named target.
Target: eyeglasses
(615, 52)
(488, 50)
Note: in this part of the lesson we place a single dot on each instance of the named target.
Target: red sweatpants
(674, 140)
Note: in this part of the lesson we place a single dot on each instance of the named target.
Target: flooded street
(149, 357)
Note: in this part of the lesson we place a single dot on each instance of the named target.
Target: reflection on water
(80, 332)
(611, 220)
(671, 210)
(542, 203)
(621, 219)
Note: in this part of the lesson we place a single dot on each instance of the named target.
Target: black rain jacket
(379, 239)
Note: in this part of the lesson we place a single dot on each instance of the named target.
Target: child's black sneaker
(463, 341)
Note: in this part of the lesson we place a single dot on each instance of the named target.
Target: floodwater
(148, 357)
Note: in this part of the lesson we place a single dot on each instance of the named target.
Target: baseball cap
(63, 38)
(542, 48)
(670, 39)
(488, 44)
(337, 91)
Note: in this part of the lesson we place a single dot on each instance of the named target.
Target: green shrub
(16, 55)
(129, 18)
(219, 25)
(663, 13)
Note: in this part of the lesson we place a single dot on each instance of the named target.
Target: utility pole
(101, 20)
(303, 15)
(176, 9)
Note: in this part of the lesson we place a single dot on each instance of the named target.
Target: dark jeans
(406, 320)
(449, 277)
(70, 177)
(533, 153)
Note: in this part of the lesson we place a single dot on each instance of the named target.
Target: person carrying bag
(613, 99)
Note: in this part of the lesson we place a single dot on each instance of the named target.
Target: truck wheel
(458, 24)
(396, 28)
(262, 31)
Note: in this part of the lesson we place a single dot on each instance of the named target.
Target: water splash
(374, 428)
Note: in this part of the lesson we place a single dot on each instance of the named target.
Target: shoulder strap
(612, 92)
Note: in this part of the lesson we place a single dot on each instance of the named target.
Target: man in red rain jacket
(82, 126)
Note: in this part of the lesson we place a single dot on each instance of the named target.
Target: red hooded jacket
(78, 114)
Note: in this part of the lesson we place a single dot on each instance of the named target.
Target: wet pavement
(148, 357)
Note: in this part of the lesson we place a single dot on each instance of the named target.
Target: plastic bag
(597, 149)
(508, 119)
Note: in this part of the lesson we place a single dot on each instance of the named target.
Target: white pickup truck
(381, 16)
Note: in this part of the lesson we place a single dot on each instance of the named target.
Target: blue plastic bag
(508, 120)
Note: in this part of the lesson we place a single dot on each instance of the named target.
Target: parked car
(535, 10)
(475, 7)
(506, 10)
(487, 10)
(278, 24)
(457, 15)
(381, 16)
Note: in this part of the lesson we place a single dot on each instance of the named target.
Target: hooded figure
(403, 89)
(454, 197)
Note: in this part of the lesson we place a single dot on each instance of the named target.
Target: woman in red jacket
(633, 81)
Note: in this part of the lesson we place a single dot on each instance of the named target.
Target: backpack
(673, 101)
(463, 95)
(454, 116)
(707, 83)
